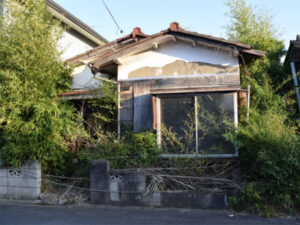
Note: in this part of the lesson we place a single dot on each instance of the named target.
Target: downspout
(296, 85)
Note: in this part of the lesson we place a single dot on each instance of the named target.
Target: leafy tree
(269, 141)
(254, 26)
(34, 123)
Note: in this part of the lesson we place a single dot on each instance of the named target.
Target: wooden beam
(254, 52)
(206, 44)
(154, 113)
(175, 90)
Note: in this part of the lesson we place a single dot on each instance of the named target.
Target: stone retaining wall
(127, 187)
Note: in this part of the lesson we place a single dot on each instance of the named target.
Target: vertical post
(236, 116)
(296, 85)
(99, 180)
(235, 109)
(82, 108)
(196, 124)
(248, 101)
(119, 113)
(158, 121)
(154, 125)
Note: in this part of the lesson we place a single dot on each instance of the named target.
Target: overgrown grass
(132, 151)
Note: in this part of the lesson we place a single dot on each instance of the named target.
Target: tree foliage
(254, 26)
(104, 109)
(35, 124)
(269, 141)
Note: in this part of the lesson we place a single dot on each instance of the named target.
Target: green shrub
(251, 199)
(269, 149)
(135, 150)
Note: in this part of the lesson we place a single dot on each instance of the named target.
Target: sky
(152, 16)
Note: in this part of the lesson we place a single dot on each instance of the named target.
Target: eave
(73, 22)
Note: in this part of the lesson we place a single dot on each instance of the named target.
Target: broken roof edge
(66, 17)
(294, 44)
(80, 94)
(115, 47)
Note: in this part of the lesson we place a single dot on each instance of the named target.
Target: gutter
(70, 20)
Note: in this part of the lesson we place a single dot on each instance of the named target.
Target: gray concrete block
(14, 182)
(127, 181)
(30, 193)
(15, 192)
(3, 190)
(3, 172)
(31, 182)
(3, 181)
(99, 175)
(152, 200)
(31, 165)
(17, 173)
(3, 196)
(31, 173)
(193, 199)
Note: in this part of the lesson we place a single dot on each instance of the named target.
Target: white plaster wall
(171, 52)
(84, 79)
(72, 45)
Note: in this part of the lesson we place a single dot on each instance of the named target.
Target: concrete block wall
(21, 183)
(127, 187)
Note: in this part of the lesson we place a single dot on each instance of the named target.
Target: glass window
(196, 123)
(178, 124)
(215, 113)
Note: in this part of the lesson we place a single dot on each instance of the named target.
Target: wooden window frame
(195, 95)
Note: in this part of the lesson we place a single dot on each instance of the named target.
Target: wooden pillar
(119, 114)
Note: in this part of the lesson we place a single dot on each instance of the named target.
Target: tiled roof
(129, 44)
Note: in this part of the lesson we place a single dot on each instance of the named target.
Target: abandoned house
(176, 82)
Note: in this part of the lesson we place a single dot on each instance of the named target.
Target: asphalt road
(12, 213)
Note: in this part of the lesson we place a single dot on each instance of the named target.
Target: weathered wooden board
(200, 89)
(126, 102)
(126, 110)
(143, 111)
(125, 86)
(211, 80)
(136, 100)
